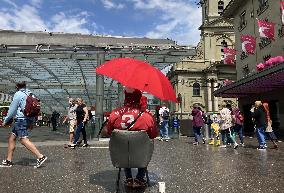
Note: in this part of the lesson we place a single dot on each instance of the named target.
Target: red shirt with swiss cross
(122, 117)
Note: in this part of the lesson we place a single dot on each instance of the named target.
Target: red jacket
(121, 118)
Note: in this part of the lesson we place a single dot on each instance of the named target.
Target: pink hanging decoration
(248, 44)
(282, 8)
(230, 56)
(266, 29)
(260, 67)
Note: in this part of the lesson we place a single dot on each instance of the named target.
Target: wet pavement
(182, 166)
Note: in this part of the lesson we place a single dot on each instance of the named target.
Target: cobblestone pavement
(183, 167)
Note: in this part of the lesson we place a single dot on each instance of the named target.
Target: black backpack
(165, 114)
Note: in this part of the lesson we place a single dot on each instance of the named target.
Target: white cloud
(180, 19)
(69, 24)
(109, 4)
(27, 18)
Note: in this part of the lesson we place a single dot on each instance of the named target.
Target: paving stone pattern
(183, 167)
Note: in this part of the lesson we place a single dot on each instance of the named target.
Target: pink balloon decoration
(260, 67)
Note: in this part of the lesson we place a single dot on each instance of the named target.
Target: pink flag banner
(248, 44)
(266, 29)
(230, 56)
(282, 8)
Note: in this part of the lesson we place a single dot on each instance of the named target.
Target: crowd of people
(230, 122)
(133, 116)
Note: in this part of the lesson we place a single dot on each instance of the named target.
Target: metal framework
(57, 70)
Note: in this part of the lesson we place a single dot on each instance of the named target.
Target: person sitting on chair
(121, 118)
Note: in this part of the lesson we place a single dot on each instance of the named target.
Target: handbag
(268, 128)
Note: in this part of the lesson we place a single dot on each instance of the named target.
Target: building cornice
(232, 8)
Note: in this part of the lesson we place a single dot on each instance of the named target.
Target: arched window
(196, 89)
(220, 7)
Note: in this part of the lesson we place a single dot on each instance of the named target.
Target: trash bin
(186, 128)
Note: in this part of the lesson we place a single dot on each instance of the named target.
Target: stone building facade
(195, 78)
(251, 85)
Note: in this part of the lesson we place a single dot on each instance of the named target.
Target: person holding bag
(259, 116)
(269, 131)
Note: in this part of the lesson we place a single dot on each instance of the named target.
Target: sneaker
(139, 183)
(261, 148)
(85, 145)
(236, 146)
(203, 140)
(40, 161)
(6, 163)
(265, 145)
(242, 144)
(223, 146)
(195, 143)
(211, 142)
(72, 146)
(218, 143)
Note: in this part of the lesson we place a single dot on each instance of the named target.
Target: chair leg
(118, 179)
(147, 176)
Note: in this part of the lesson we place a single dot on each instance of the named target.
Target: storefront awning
(261, 82)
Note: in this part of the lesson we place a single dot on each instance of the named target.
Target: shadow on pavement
(107, 180)
(26, 162)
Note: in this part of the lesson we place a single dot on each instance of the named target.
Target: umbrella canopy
(139, 75)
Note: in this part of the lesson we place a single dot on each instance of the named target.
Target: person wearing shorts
(20, 127)
(71, 117)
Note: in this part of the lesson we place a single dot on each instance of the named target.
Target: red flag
(230, 55)
(248, 44)
(266, 29)
(282, 8)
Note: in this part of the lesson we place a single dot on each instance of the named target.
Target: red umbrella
(139, 75)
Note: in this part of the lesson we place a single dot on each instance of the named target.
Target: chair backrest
(130, 149)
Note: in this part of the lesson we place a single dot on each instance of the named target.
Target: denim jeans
(260, 133)
(239, 129)
(20, 128)
(197, 133)
(226, 134)
(164, 130)
(140, 175)
(80, 128)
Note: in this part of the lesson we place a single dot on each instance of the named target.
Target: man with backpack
(25, 107)
(164, 113)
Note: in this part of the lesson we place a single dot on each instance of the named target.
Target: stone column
(215, 99)
(99, 93)
(209, 96)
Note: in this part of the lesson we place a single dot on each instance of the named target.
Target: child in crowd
(215, 129)
(176, 124)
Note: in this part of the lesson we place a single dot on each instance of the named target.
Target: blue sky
(174, 19)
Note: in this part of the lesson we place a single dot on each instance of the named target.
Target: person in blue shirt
(20, 127)
(176, 124)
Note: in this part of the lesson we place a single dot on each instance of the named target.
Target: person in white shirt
(71, 117)
(164, 113)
